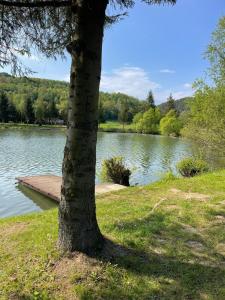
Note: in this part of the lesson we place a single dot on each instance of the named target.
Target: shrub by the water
(114, 170)
(190, 167)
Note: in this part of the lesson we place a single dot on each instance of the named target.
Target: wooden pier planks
(50, 185)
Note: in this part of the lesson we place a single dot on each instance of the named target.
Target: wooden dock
(50, 185)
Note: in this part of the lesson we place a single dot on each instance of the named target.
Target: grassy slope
(171, 247)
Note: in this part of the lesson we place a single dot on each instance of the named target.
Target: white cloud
(133, 81)
(188, 85)
(168, 71)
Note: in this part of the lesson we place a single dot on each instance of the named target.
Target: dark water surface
(38, 152)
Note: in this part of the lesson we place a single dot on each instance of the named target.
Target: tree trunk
(78, 228)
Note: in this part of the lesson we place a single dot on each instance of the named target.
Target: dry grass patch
(13, 229)
(190, 195)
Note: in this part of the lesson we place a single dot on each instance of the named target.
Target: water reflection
(36, 152)
(42, 202)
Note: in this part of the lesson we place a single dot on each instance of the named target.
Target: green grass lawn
(167, 242)
(108, 126)
(114, 126)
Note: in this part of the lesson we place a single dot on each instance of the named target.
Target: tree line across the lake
(41, 101)
(201, 118)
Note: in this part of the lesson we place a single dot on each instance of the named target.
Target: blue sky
(155, 47)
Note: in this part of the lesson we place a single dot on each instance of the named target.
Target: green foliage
(170, 124)
(216, 53)
(112, 107)
(39, 109)
(137, 117)
(119, 107)
(114, 170)
(149, 123)
(24, 95)
(28, 110)
(171, 103)
(150, 100)
(123, 112)
(205, 123)
(4, 104)
(54, 103)
(190, 167)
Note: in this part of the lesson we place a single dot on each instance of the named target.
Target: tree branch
(36, 3)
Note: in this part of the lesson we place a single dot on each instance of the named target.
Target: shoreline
(102, 128)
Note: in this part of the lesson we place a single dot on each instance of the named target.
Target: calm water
(31, 152)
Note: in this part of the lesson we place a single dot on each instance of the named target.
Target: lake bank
(168, 243)
(40, 152)
(103, 127)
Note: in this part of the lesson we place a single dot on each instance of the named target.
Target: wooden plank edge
(49, 195)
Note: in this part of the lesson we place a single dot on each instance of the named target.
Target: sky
(155, 47)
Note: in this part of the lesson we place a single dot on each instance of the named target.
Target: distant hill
(56, 92)
(180, 104)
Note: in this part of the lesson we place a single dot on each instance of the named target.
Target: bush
(170, 124)
(114, 170)
(149, 122)
(190, 167)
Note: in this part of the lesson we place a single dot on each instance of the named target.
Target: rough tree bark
(78, 228)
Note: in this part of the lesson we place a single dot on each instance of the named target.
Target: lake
(38, 151)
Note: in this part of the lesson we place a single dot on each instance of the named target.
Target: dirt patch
(221, 248)
(189, 229)
(15, 228)
(218, 220)
(190, 195)
(73, 270)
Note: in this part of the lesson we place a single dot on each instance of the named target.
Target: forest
(43, 101)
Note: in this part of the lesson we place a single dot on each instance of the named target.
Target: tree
(150, 100)
(215, 53)
(28, 110)
(13, 114)
(62, 107)
(149, 123)
(206, 119)
(170, 124)
(205, 123)
(77, 25)
(4, 105)
(52, 111)
(171, 103)
(123, 112)
(39, 110)
(137, 117)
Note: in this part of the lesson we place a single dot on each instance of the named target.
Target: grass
(114, 126)
(107, 127)
(167, 242)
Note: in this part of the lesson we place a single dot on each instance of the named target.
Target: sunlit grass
(113, 126)
(166, 245)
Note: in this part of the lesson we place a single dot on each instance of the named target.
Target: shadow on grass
(159, 275)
